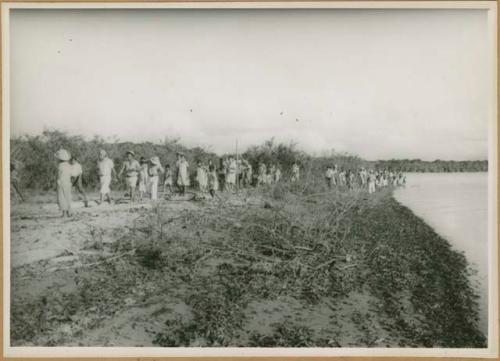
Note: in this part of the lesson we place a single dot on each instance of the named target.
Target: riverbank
(263, 268)
(455, 205)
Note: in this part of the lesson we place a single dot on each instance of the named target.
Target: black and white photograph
(263, 179)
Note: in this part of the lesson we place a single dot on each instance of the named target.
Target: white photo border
(492, 351)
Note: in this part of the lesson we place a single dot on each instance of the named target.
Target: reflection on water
(456, 206)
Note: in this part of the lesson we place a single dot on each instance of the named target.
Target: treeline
(417, 165)
(37, 166)
(34, 158)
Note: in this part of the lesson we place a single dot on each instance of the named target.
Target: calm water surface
(456, 206)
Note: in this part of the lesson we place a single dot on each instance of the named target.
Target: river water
(456, 206)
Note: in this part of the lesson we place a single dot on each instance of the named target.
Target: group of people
(143, 175)
(371, 179)
(146, 175)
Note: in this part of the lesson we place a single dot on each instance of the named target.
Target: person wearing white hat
(154, 174)
(131, 167)
(64, 171)
(106, 171)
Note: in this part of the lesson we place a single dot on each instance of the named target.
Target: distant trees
(418, 165)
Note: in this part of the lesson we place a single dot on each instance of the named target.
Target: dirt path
(38, 232)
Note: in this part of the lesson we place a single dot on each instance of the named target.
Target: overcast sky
(377, 83)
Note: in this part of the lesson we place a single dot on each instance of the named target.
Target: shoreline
(457, 211)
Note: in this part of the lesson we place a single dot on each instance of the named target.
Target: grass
(294, 245)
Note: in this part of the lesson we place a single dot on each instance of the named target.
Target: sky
(380, 84)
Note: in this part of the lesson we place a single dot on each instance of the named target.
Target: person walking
(213, 183)
(77, 175)
(261, 178)
(371, 178)
(14, 182)
(131, 168)
(182, 173)
(64, 171)
(154, 175)
(143, 178)
(106, 172)
(231, 174)
(330, 177)
(248, 174)
(295, 172)
(201, 177)
(168, 180)
(277, 174)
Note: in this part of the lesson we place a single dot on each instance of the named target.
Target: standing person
(330, 177)
(363, 176)
(77, 175)
(231, 174)
(261, 178)
(14, 182)
(213, 183)
(371, 178)
(168, 180)
(201, 177)
(248, 174)
(154, 175)
(143, 178)
(277, 174)
(106, 170)
(350, 179)
(64, 170)
(295, 172)
(131, 167)
(222, 174)
(270, 174)
(182, 173)
(342, 177)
